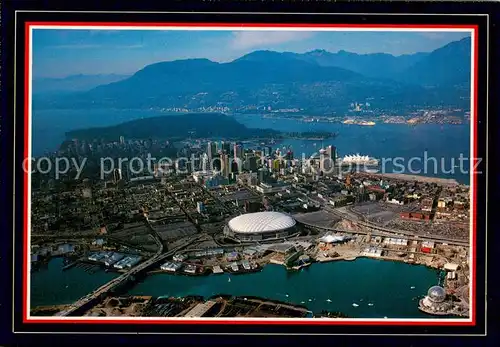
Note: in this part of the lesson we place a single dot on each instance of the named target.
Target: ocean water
(385, 284)
(52, 286)
(427, 149)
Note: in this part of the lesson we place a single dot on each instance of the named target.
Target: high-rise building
(277, 164)
(238, 151)
(323, 157)
(211, 150)
(327, 160)
(205, 162)
(252, 166)
(235, 165)
(226, 147)
(122, 140)
(263, 175)
(225, 165)
(268, 150)
(331, 151)
(214, 149)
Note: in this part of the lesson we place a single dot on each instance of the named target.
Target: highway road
(355, 219)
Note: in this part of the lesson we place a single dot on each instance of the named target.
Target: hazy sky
(59, 53)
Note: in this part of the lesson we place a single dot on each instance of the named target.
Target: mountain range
(73, 83)
(378, 65)
(316, 80)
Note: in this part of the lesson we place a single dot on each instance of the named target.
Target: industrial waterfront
(379, 288)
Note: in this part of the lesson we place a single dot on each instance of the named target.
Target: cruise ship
(357, 159)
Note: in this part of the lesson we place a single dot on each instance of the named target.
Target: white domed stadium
(260, 226)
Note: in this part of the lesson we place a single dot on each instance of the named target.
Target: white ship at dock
(357, 159)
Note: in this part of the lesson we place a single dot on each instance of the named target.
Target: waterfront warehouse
(171, 267)
(260, 226)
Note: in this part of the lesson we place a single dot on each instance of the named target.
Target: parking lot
(382, 213)
(319, 218)
(175, 230)
(449, 230)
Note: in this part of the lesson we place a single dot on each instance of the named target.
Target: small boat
(287, 295)
(355, 305)
(229, 279)
(302, 302)
(310, 300)
(328, 300)
(412, 287)
(370, 304)
(385, 317)
(360, 299)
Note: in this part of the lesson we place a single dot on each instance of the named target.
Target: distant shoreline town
(447, 116)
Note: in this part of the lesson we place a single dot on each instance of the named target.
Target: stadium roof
(261, 222)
